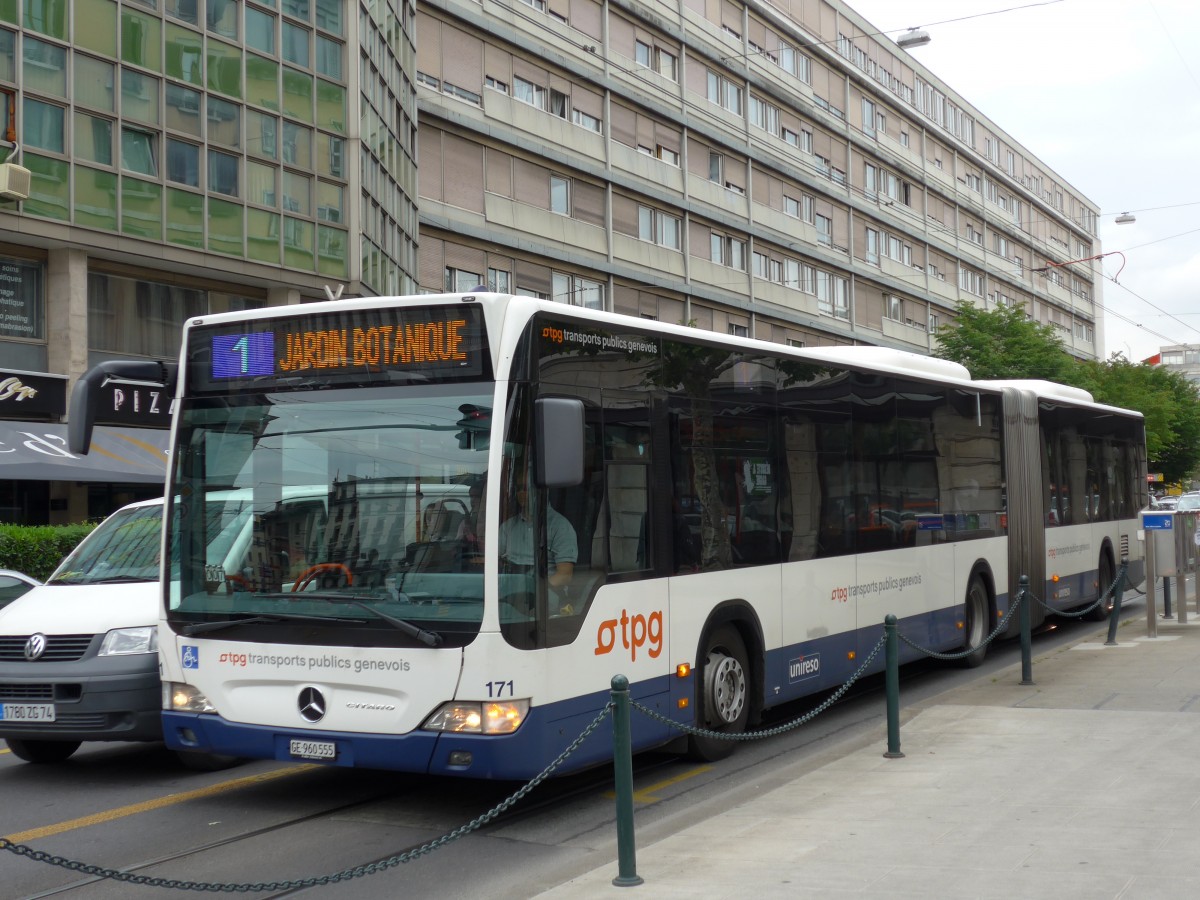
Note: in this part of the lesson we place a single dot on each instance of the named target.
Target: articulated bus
(466, 513)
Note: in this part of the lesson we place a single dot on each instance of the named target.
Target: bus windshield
(356, 510)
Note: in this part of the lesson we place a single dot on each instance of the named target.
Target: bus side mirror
(559, 432)
(85, 396)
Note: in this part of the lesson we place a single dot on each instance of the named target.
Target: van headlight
(127, 641)
(185, 698)
(490, 717)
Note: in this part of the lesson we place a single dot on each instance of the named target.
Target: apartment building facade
(772, 169)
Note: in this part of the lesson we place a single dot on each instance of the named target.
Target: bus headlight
(185, 698)
(489, 717)
(127, 641)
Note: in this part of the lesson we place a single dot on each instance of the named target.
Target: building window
(222, 173)
(716, 167)
(577, 291)
(560, 195)
(872, 249)
(824, 230)
(728, 251)
(584, 120)
(659, 228)
(499, 281)
(739, 330)
(528, 92)
(893, 308)
(183, 162)
(460, 281)
(724, 93)
(138, 152)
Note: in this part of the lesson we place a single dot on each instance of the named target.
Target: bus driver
(516, 543)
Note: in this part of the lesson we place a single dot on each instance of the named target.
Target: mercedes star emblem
(312, 703)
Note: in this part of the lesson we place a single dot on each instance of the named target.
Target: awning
(37, 451)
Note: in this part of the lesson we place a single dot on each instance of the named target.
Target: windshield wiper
(201, 627)
(426, 637)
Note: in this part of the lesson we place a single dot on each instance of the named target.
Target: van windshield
(122, 548)
(355, 509)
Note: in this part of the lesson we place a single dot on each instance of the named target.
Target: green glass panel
(298, 244)
(141, 39)
(93, 82)
(44, 67)
(95, 198)
(8, 11)
(225, 232)
(93, 139)
(96, 26)
(48, 192)
(262, 82)
(332, 243)
(47, 17)
(331, 106)
(262, 236)
(185, 218)
(298, 95)
(185, 51)
(8, 55)
(141, 208)
(224, 68)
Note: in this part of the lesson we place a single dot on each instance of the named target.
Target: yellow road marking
(647, 794)
(133, 809)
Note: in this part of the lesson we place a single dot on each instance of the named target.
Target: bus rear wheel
(975, 622)
(724, 694)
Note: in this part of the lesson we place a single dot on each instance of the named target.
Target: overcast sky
(1106, 93)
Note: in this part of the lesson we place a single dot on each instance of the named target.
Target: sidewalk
(1086, 784)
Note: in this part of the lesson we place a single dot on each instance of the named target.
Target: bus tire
(206, 762)
(42, 751)
(1104, 580)
(976, 619)
(723, 693)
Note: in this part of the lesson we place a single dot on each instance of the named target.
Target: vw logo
(35, 647)
(311, 703)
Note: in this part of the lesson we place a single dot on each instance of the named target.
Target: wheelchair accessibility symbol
(191, 656)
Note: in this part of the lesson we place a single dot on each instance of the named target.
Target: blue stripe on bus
(791, 672)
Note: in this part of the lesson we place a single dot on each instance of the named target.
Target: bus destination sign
(434, 343)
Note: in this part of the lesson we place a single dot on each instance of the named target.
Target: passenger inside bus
(518, 552)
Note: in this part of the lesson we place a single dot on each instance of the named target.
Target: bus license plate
(313, 749)
(26, 712)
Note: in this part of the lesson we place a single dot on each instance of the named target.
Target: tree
(1002, 343)
(1169, 402)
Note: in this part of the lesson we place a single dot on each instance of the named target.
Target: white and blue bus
(470, 511)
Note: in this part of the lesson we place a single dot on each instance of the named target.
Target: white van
(79, 654)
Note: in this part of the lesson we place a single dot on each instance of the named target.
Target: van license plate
(26, 712)
(313, 749)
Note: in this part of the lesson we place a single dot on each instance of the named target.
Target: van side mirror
(559, 433)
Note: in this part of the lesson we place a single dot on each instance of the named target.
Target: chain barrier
(770, 732)
(963, 654)
(319, 880)
(1102, 599)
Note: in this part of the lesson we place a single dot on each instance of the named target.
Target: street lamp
(914, 37)
(1126, 219)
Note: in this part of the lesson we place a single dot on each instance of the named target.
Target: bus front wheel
(724, 694)
(975, 622)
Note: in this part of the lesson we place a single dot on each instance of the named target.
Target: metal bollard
(1167, 598)
(891, 661)
(1118, 588)
(1026, 630)
(627, 875)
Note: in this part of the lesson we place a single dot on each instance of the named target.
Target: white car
(13, 584)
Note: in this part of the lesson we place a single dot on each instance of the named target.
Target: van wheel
(42, 751)
(1105, 579)
(723, 694)
(975, 622)
(206, 762)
